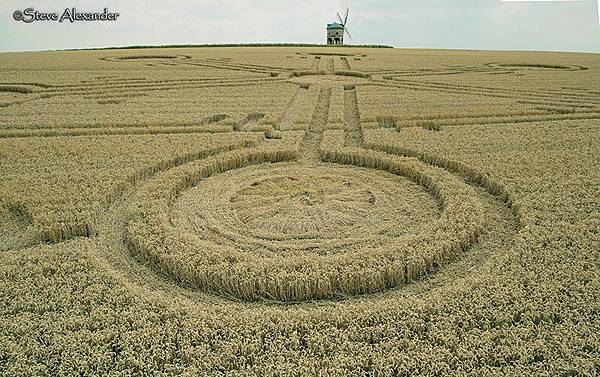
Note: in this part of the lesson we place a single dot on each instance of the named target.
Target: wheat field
(299, 211)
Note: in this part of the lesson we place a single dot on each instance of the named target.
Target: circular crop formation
(145, 57)
(274, 209)
(256, 224)
(538, 66)
(337, 78)
(345, 78)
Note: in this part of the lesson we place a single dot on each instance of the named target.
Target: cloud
(477, 24)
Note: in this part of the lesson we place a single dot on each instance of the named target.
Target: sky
(452, 24)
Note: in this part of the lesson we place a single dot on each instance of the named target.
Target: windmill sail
(344, 20)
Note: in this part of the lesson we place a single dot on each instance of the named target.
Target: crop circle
(292, 206)
(216, 255)
(125, 58)
(329, 79)
(538, 66)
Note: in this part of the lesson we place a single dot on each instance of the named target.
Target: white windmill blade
(346, 16)
(347, 32)
(339, 18)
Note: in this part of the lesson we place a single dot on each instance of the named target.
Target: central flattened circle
(292, 207)
(295, 204)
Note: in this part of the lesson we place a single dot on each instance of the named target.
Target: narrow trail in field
(322, 64)
(330, 68)
(563, 99)
(290, 114)
(248, 121)
(345, 64)
(309, 151)
(232, 66)
(352, 131)
(315, 64)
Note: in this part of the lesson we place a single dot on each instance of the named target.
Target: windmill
(336, 30)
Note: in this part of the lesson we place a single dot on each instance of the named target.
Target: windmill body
(335, 34)
(336, 30)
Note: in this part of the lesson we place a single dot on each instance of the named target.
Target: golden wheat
(299, 211)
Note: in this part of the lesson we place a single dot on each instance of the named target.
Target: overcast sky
(464, 24)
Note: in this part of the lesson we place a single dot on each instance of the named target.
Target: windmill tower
(336, 30)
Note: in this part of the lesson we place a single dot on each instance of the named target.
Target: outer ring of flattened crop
(229, 271)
